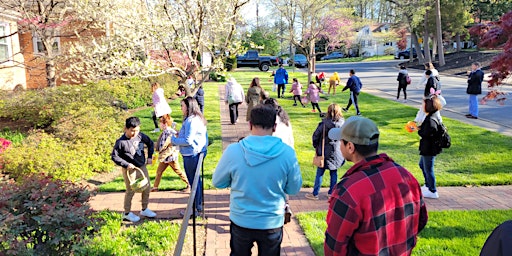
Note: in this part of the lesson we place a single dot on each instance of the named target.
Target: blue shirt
(281, 76)
(260, 170)
(192, 137)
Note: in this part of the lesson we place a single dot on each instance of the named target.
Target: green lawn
(477, 156)
(447, 232)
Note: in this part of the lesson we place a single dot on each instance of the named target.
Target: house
(22, 63)
(12, 71)
(377, 39)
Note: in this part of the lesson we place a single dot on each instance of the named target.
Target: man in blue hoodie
(355, 85)
(261, 170)
(281, 79)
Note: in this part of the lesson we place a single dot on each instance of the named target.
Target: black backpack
(443, 139)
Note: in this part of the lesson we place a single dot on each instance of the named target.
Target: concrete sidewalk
(169, 203)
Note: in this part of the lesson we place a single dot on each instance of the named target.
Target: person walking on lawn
(377, 207)
(281, 79)
(297, 92)
(355, 85)
(330, 149)
(334, 81)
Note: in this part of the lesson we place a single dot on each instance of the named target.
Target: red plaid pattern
(376, 209)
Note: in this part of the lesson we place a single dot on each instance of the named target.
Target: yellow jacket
(335, 78)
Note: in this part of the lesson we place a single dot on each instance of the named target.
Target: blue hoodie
(260, 170)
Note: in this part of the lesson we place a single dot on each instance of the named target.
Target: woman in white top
(435, 75)
(283, 126)
(234, 97)
(160, 105)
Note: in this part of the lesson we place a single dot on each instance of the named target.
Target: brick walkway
(168, 204)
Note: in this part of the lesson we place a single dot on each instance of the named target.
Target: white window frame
(7, 42)
(36, 41)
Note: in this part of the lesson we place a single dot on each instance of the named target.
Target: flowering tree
(155, 37)
(497, 35)
(309, 21)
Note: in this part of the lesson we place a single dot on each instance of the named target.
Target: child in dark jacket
(128, 153)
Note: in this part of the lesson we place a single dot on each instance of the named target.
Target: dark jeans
(233, 112)
(427, 167)
(404, 88)
(297, 97)
(268, 240)
(155, 120)
(353, 98)
(280, 90)
(190, 165)
(317, 106)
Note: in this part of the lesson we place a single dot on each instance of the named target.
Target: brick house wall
(36, 67)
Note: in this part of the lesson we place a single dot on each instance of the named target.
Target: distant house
(12, 72)
(376, 38)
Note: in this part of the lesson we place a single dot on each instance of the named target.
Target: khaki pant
(128, 195)
(175, 167)
(332, 84)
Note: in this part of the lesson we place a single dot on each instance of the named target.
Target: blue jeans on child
(427, 167)
(267, 240)
(318, 180)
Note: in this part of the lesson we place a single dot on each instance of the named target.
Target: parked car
(333, 55)
(252, 59)
(406, 54)
(299, 60)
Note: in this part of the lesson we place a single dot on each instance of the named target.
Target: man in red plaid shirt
(377, 207)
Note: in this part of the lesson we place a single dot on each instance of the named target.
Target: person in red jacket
(377, 207)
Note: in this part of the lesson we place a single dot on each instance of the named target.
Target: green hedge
(75, 126)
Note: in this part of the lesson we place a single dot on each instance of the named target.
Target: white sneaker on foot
(424, 188)
(430, 194)
(148, 213)
(131, 217)
(311, 196)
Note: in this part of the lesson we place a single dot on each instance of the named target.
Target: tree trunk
(457, 39)
(51, 81)
(416, 44)
(426, 47)
(439, 34)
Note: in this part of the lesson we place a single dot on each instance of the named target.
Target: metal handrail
(190, 205)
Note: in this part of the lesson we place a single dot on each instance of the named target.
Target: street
(379, 78)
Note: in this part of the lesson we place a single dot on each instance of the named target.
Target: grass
(477, 156)
(447, 232)
(147, 238)
(15, 137)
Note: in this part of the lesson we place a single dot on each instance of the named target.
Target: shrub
(41, 216)
(389, 51)
(230, 63)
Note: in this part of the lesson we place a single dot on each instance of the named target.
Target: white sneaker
(424, 188)
(156, 130)
(148, 213)
(429, 194)
(131, 217)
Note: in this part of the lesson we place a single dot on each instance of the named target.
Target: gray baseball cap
(358, 130)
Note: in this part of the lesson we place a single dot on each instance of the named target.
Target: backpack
(408, 79)
(443, 139)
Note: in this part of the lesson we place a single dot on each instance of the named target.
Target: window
(363, 43)
(5, 47)
(388, 44)
(370, 42)
(39, 47)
